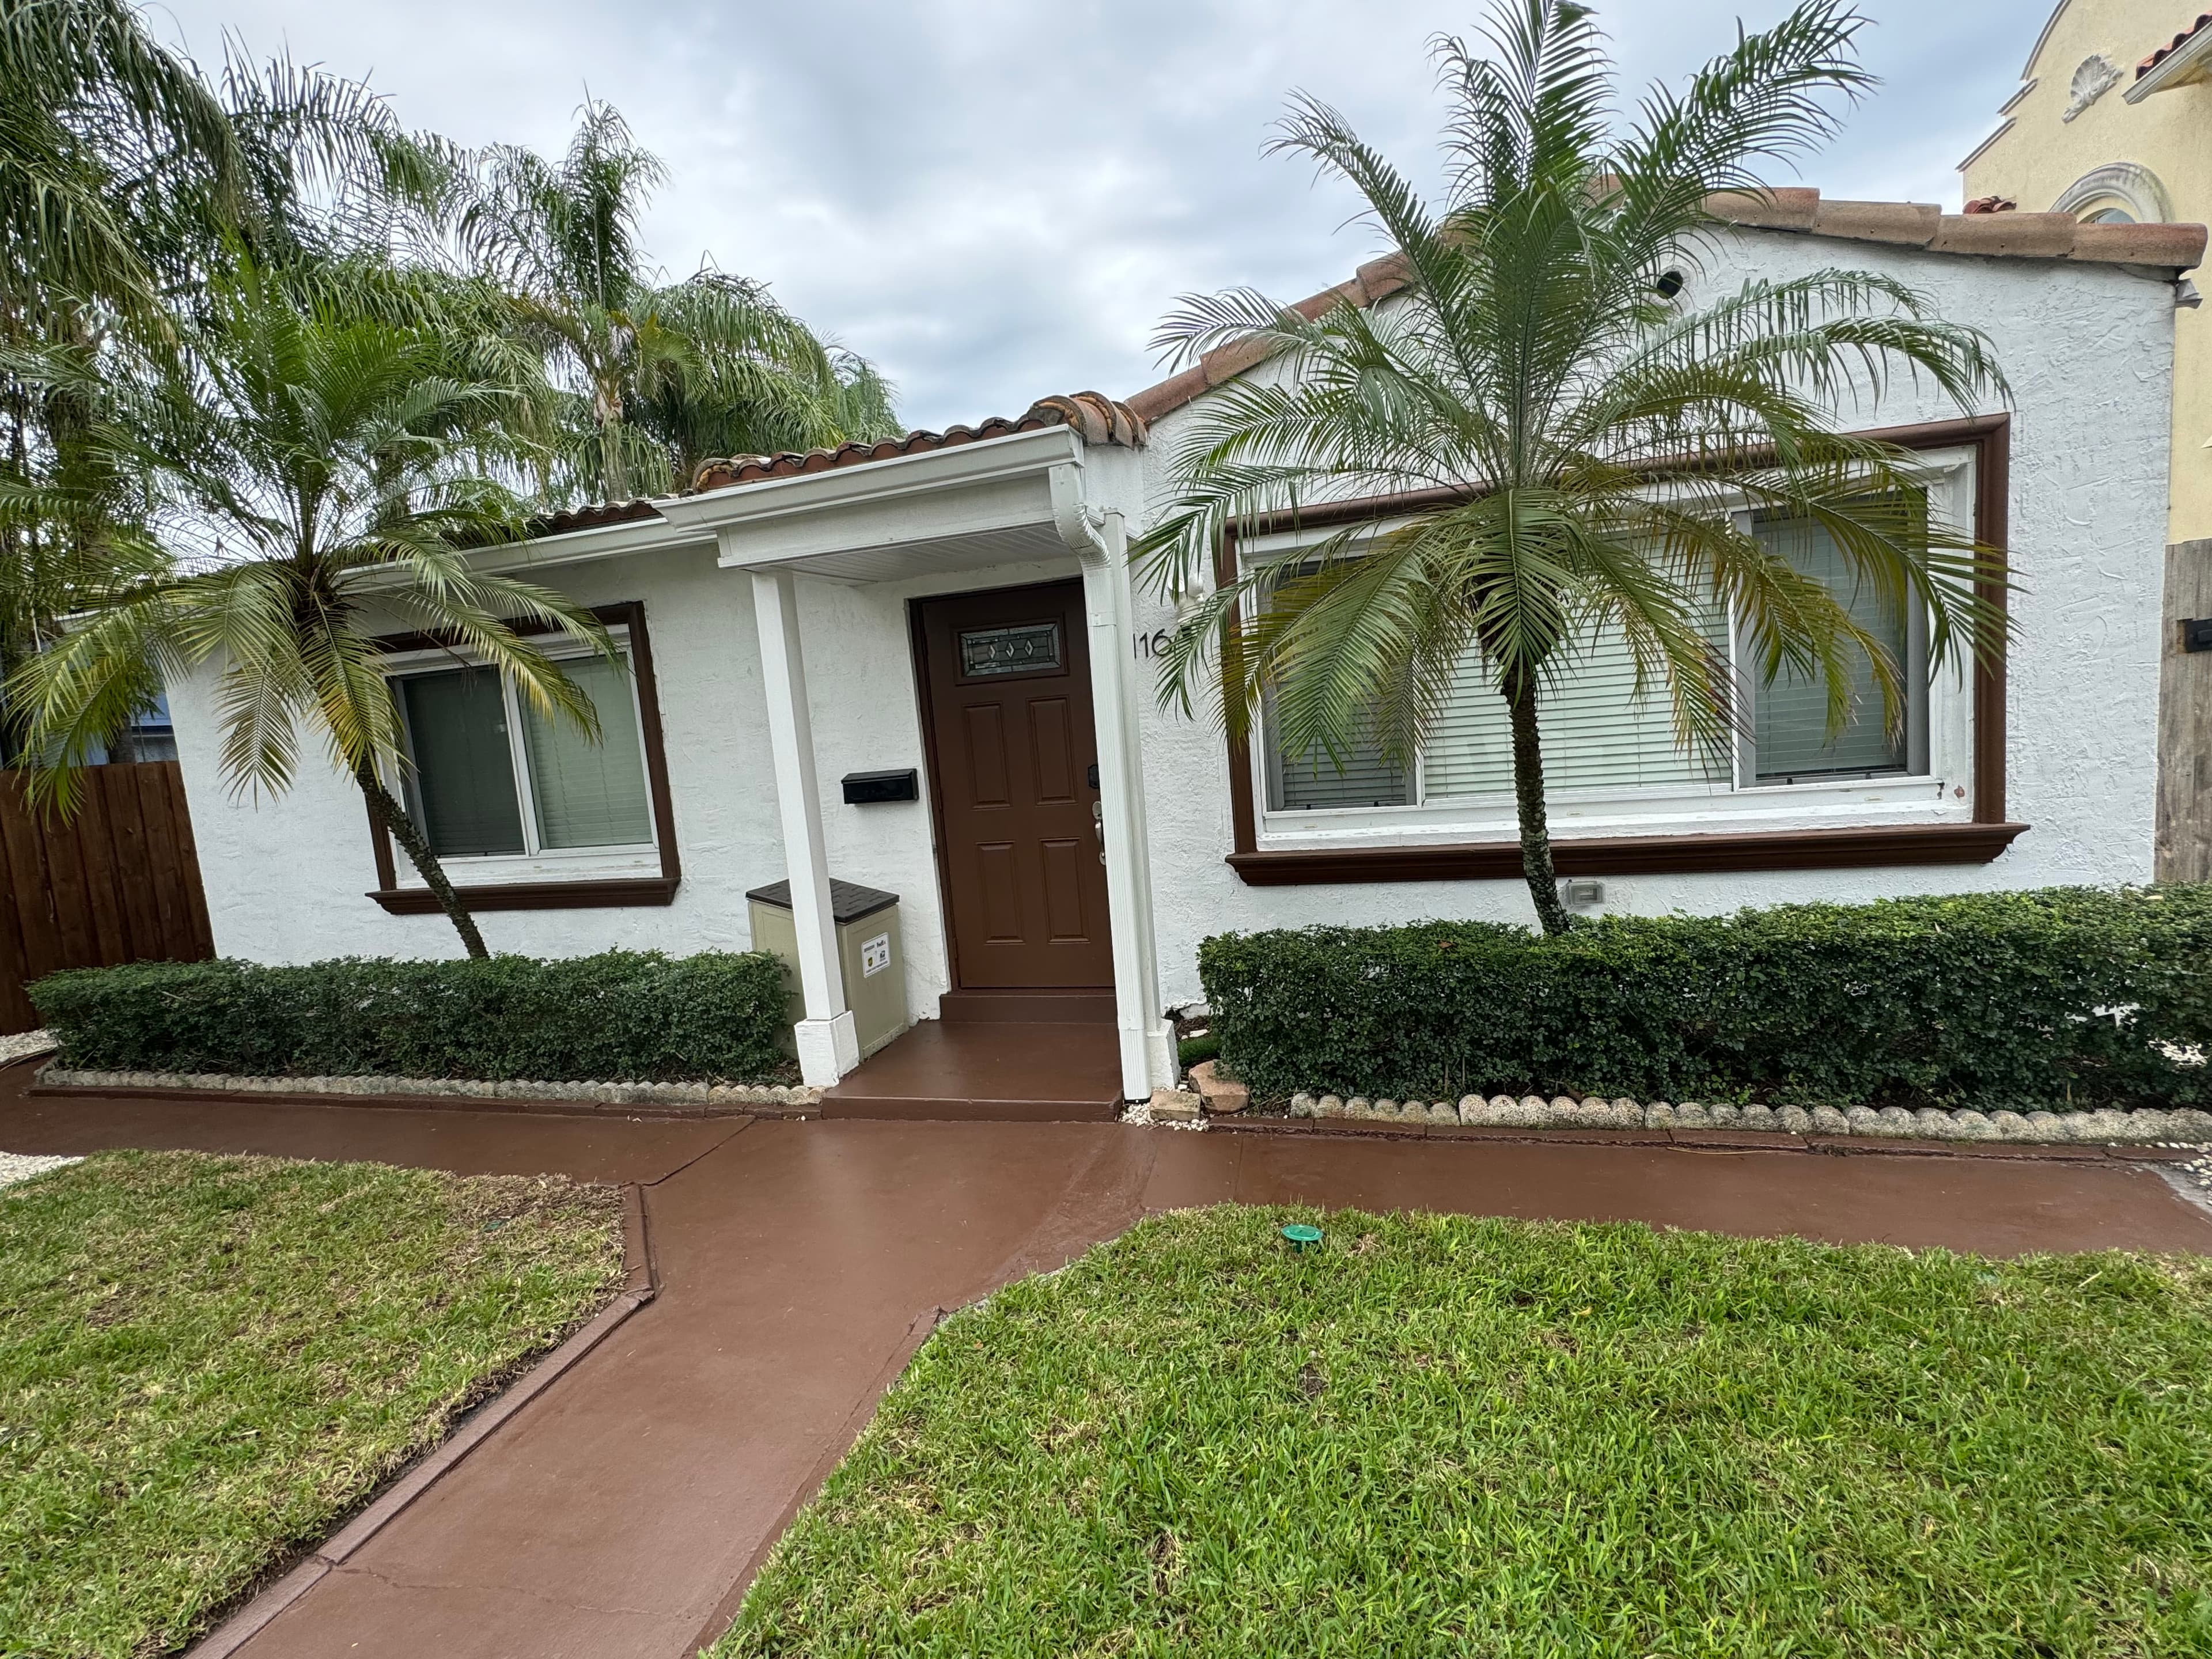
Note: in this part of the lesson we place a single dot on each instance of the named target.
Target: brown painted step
(1012, 1070)
(1026, 1007)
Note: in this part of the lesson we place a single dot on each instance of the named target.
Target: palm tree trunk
(393, 816)
(1528, 802)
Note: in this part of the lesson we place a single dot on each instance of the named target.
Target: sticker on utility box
(875, 955)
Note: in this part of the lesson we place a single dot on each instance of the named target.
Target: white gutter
(904, 479)
(2183, 66)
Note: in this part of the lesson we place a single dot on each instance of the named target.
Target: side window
(462, 788)
(1791, 741)
(492, 776)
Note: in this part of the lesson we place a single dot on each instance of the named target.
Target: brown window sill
(536, 895)
(1632, 856)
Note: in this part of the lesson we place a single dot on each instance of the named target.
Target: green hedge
(623, 1016)
(2023, 999)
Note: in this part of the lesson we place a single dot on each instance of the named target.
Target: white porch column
(1147, 1060)
(829, 1045)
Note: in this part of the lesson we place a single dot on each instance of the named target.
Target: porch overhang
(999, 500)
(1025, 497)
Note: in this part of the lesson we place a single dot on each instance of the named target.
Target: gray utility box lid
(848, 899)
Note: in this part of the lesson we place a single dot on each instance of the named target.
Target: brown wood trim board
(586, 893)
(1975, 842)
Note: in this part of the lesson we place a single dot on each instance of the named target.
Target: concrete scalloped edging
(749, 1096)
(2186, 1124)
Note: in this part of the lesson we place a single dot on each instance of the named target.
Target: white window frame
(536, 862)
(1940, 790)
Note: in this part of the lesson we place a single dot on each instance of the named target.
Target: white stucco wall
(285, 877)
(2086, 349)
(2087, 352)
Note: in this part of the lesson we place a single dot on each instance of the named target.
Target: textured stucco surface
(2040, 154)
(285, 877)
(2088, 353)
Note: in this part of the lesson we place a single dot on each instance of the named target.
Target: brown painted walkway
(621, 1512)
(1006, 1071)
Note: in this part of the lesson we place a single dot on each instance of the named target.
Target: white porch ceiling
(898, 561)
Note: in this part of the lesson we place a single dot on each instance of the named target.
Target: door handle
(1098, 827)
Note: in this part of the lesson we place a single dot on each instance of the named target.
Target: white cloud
(997, 198)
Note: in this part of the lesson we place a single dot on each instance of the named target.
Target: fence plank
(61, 845)
(26, 882)
(120, 882)
(165, 867)
(16, 1013)
(202, 943)
(96, 840)
(128, 828)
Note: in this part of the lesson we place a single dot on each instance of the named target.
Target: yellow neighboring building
(2113, 123)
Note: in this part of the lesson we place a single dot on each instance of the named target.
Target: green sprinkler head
(1302, 1237)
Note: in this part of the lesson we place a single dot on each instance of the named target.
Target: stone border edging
(580, 1099)
(2146, 1124)
(1717, 1140)
(640, 1285)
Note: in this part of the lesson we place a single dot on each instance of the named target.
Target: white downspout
(1100, 546)
(829, 1042)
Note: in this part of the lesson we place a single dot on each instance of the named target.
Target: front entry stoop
(1026, 1071)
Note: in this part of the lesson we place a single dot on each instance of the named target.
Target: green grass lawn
(204, 1362)
(1452, 1436)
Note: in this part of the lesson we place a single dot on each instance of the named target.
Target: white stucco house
(957, 606)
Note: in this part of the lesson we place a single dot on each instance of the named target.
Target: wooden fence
(120, 882)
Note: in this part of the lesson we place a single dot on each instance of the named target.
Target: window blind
(1790, 718)
(1596, 733)
(1307, 782)
(461, 791)
(589, 794)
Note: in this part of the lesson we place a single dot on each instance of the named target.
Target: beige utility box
(867, 945)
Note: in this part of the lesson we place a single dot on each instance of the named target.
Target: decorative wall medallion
(2092, 81)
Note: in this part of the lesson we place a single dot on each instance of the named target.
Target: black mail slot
(868, 788)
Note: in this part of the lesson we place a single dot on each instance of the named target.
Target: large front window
(1611, 760)
(492, 775)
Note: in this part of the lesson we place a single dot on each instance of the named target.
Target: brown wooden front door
(1012, 754)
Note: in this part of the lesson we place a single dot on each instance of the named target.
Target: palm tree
(127, 183)
(661, 376)
(96, 122)
(1592, 437)
(321, 472)
(100, 131)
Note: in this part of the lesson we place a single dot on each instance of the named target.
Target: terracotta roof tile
(1988, 227)
(2012, 235)
(1097, 418)
(1786, 207)
(2144, 68)
(1992, 205)
(1913, 224)
(593, 517)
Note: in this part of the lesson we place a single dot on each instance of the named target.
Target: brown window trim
(1978, 841)
(607, 892)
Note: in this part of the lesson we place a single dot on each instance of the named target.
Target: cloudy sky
(996, 199)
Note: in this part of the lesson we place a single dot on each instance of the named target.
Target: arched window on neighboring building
(2122, 193)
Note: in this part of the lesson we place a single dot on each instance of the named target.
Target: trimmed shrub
(2056, 997)
(1190, 1051)
(626, 1016)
